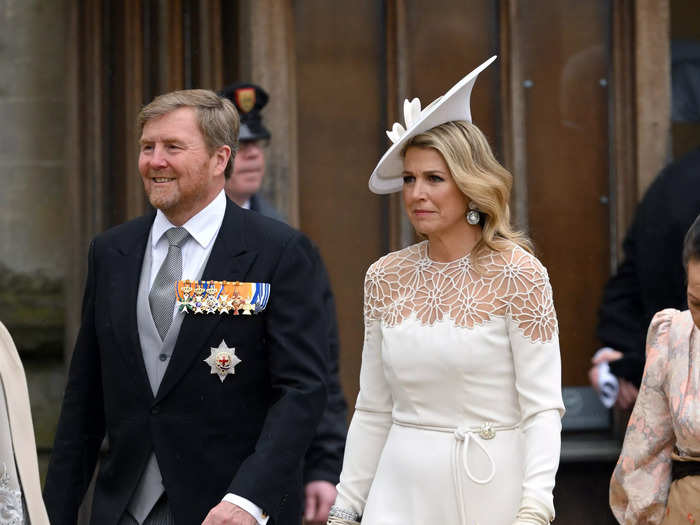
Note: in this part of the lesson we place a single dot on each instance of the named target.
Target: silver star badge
(223, 360)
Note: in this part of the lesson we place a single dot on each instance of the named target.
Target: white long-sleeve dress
(458, 418)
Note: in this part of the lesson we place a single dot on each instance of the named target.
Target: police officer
(249, 165)
(323, 460)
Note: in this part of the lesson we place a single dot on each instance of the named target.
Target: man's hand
(604, 356)
(627, 395)
(320, 495)
(226, 513)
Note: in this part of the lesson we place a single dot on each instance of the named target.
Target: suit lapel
(229, 260)
(124, 283)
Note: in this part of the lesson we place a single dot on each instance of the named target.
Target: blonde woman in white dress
(458, 418)
(20, 490)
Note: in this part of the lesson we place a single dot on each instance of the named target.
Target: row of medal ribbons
(222, 297)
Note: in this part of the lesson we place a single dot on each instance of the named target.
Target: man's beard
(177, 200)
(163, 200)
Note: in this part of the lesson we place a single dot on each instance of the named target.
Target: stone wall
(32, 196)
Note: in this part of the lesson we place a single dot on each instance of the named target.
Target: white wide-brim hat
(453, 105)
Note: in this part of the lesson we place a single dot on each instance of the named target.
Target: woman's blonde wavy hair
(480, 177)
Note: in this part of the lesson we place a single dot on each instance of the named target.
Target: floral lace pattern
(510, 283)
(11, 511)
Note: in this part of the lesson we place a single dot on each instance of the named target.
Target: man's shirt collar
(203, 227)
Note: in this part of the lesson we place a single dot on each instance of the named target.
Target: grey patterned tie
(161, 298)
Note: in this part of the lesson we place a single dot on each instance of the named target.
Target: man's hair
(217, 117)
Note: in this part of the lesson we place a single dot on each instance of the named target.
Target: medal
(222, 297)
(223, 360)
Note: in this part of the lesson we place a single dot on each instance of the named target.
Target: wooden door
(559, 84)
(340, 105)
(543, 106)
(355, 64)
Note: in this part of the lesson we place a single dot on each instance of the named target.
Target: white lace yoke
(511, 284)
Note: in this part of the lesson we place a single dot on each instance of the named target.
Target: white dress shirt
(203, 229)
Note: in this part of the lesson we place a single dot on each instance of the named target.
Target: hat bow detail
(411, 115)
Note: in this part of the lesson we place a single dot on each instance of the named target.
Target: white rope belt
(463, 437)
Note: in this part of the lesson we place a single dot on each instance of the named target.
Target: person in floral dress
(657, 477)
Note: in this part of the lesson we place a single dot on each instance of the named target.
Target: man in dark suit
(324, 459)
(207, 415)
(650, 278)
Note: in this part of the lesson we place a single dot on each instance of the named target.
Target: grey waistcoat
(150, 486)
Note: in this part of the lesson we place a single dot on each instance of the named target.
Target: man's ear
(221, 156)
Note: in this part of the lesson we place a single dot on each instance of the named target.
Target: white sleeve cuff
(533, 512)
(248, 506)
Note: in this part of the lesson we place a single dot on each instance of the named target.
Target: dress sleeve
(533, 333)
(641, 480)
(372, 418)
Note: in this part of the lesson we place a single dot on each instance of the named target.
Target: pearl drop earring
(473, 215)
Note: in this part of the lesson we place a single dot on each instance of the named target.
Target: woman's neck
(452, 245)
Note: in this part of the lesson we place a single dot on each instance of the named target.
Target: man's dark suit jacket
(246, 435)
